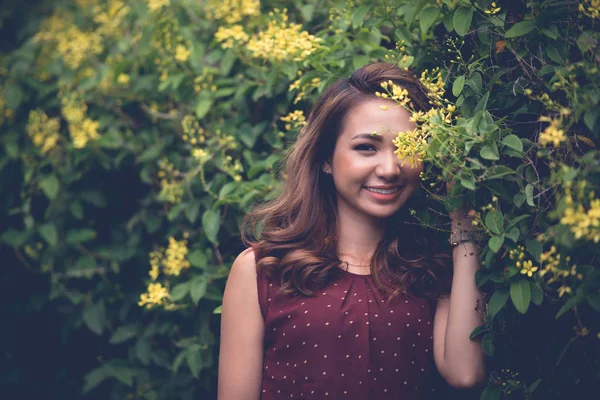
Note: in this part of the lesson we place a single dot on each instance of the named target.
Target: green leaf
(468, 183)
(462, 20)
(180, 291)
(496, 242)
(13, 96)
(211, 222)
(534, 385)
(489, 152)
(151, 153)
(198, 288)
(569, 304)
(49, 186)
(520, 29)
(513, 234)
(360, 61)
(307, 12)
(482, 276)
(194, 362)
(529, 194)
(519, 199)
(482, 104)
(358, 16)
(590, 117)
(520, 294)
(497, 301)
(94, 316)
(499, 171)
(428, 17)
(553, 54)
(198, 259)
(480, 330)
(49, 233)
(487, 344)
(491, 393)
(594, 300)
(534, 247)
(94, 378)
(202, 107)
(218, 310)
(458, 85)
(124, 333)
(494, 220)
(537, 296)
(513, 141)
(80, 235)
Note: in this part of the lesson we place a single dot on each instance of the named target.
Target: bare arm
(242, 333)
(459, 360)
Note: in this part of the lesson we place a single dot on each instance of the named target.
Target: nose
(388, 167)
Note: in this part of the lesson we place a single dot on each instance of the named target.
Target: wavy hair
(294, 235)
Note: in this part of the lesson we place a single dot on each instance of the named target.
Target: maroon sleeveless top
(345, 343)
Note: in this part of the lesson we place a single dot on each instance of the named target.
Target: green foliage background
(100, 101)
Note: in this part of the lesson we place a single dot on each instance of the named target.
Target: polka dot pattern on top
(345, 343)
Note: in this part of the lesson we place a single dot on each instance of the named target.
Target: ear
(326, 166)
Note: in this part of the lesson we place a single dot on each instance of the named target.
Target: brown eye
(364, 147)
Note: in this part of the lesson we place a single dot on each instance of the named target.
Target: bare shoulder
(244, 264)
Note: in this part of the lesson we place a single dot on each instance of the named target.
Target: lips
(383, 189)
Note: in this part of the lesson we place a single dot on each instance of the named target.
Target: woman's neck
(358, 237)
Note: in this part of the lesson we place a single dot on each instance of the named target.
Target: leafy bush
(137, 133)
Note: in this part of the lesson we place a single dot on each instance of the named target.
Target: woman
(339, 296)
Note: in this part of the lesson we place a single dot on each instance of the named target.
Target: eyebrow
(370, 136)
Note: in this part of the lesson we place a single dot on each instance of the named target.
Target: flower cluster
(81, 128)
(590, 8)
(552, 134)
(157, 295)
(282, 41)
(171, 188)
(168, 43)
(72, 44)
(42, 130)
(583, 223)
(230, 36)
(204, 81)
(110, 17)
(170, 260)
(157, 5)
(551, 264)
(231, 11)
(412, 145)
(295, 120)
(493, 9)
(310, 85)
(525, 267)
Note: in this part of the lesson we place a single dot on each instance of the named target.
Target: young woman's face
(363, 163)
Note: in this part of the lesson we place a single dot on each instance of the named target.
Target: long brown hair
(294, 235)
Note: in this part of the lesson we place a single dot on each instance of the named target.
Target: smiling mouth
(384, 191)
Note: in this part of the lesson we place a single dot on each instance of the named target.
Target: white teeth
(383, 191)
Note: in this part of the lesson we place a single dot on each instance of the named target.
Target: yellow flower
(182, 53)
(123, 79)
(232, 11)
(156, 295)
(296, 120)
(155, 5)
(528, 268)
(282, 40)
(562, 290)
(552, 134)
(493, 10)
(43, 131)
(230, 36)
